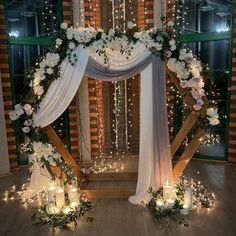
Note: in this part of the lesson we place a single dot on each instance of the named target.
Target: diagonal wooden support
(56, 141)
(188, 154)
(179, 138)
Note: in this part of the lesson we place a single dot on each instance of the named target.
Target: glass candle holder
(188, 193)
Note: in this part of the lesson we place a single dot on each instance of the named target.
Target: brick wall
(6, 87)
(232, 116)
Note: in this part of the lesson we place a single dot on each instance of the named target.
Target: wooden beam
(57, 142)
(188, 154)
(179, 138)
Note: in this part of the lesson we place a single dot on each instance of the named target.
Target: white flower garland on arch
(159, 41)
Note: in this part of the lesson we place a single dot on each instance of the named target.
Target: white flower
(19, 109)
(49, 71)
(158, 46)
(64, 25)
(28, 122)
(200, 102)
(71, 46)
(213, 112)
(111, 32)
(137, 35)
(37, 79)
(52, 59)
(197, 107)
(214, 121)
(58, 42)
(183, 84)
(13, 116)
(173, 48)
(70, 33)
(28, 109)
(42, 64)
(26, 129)
(144, 37)
(38, 90)
(168, 53)
(172, 42)
(98, 45)
(130, 25)
(170, 24)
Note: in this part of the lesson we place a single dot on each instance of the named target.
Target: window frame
(33, 41)
(204, 37)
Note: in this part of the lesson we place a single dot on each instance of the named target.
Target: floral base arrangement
(171, 202)
(50, 214)
(58, 205)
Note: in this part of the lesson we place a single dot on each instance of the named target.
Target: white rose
(173, 48)
(197, 107)
(172, 42)
(170, 24)
(28, 122)
(13, 116)
(26, 129)
(111, 32)
(19, 109)
(58, 42)
(137, 35)
(64, 25)
(168, 53)
(69, 36)
(28, 109)
(42, 64)
(38, 90)
(71, 45)
(212, 111)
(37, 80)
(130, 25)
(49, 71)
(183, 84)
(214, 121)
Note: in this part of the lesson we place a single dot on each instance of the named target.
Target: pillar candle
(51, 194)
(73, 195)
(188, 198)
(60, 198)
(167, 191)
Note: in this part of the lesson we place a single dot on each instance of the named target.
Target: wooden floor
(117, 217)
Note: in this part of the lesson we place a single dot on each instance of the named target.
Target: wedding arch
(111, 57)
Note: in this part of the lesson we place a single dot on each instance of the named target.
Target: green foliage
(41, 216)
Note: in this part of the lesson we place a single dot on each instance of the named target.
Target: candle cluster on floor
(57, 205)
(171, 200)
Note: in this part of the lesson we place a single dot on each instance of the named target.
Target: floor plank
(117, 217)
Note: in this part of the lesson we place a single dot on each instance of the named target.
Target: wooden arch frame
(176, 143)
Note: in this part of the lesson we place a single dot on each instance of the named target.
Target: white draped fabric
(154, 159)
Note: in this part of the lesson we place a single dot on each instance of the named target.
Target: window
(30, 27)
(205, 28)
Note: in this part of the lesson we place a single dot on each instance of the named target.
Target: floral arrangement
(49, 214)
(162, 207)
